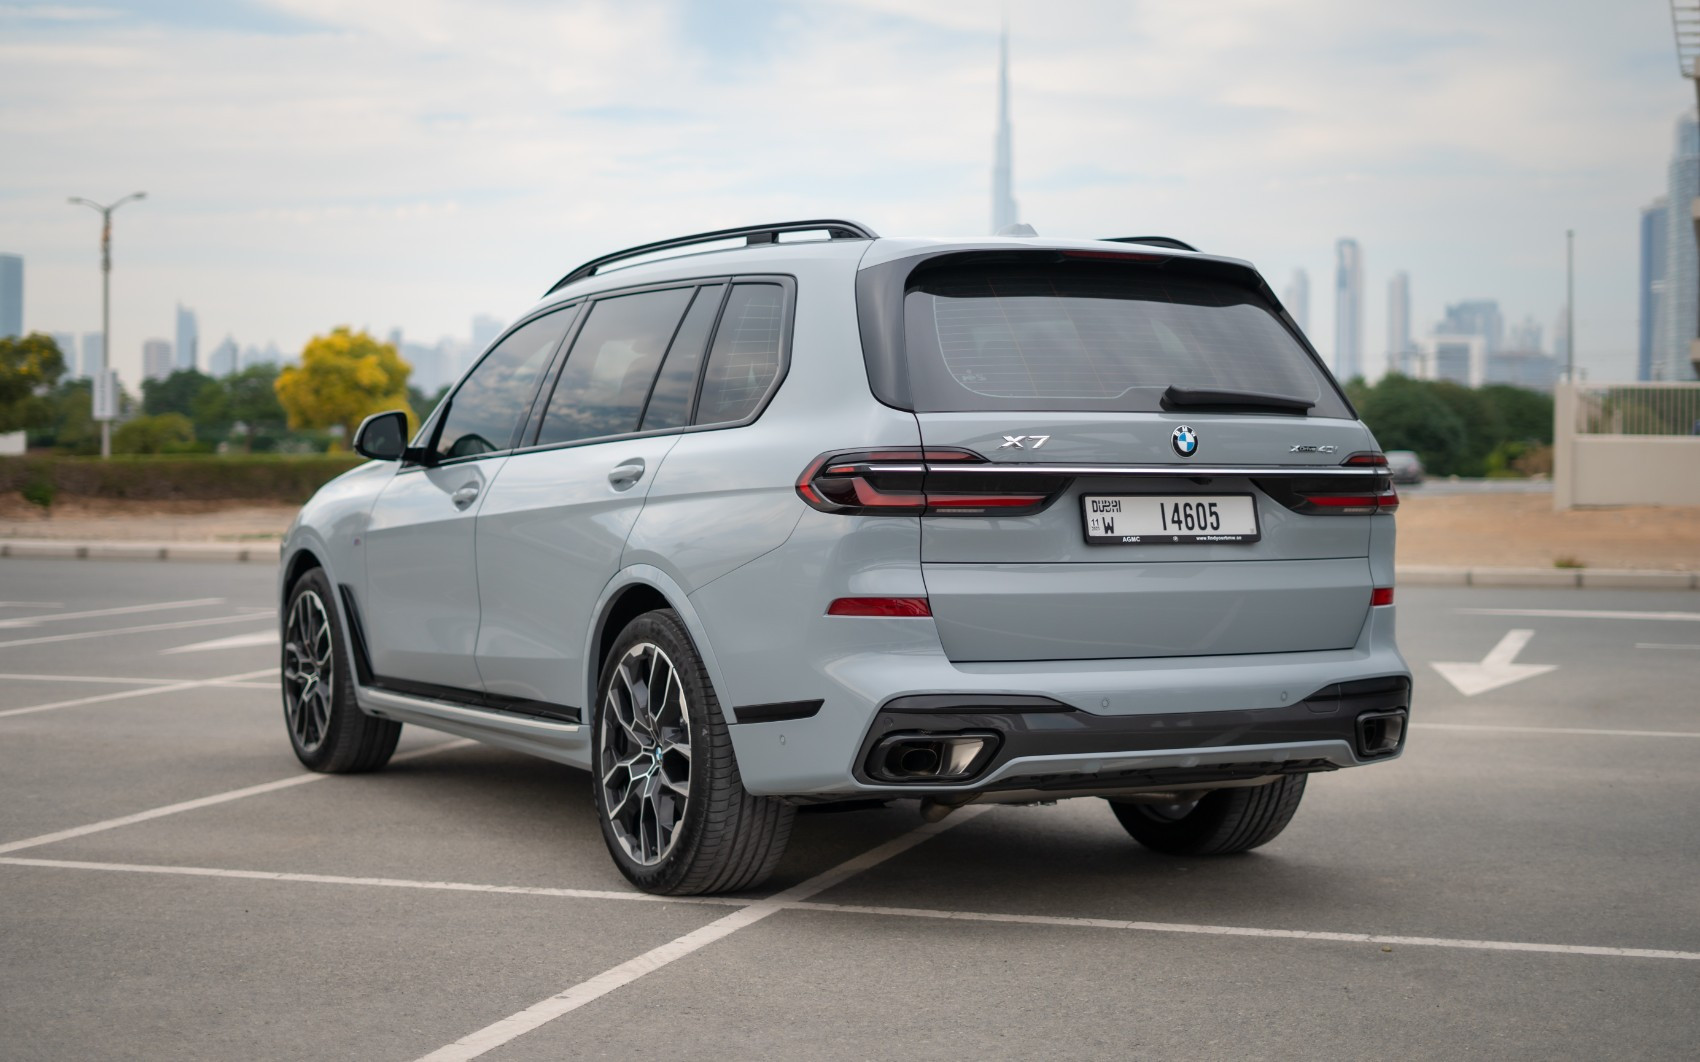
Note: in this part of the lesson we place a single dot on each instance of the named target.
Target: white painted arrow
(1496, 668)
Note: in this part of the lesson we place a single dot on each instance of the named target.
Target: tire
(1223, 822)
(644, 763)
(326, 727)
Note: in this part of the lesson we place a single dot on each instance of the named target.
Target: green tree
(1527, 415)
(69, 425)
(343, 378)
(174, 394)
(160, 433)
(248, 398)
(29, 367)
(1407, 414)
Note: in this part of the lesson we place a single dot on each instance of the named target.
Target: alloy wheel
(308, 670)
(645, 745)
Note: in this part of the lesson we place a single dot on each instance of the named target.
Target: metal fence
(1638, 409)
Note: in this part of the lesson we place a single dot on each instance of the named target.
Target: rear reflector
(1381, 595)
(880, 606)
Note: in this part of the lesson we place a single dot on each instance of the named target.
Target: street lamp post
(1685, 27)
(106, 297)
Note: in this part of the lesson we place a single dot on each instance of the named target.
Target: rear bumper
(1130, 723)
(1035, 744)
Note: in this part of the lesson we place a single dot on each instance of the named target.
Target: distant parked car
(1405, 465)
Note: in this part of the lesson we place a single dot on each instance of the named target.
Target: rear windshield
(1094, 337)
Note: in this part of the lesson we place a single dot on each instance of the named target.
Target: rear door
(556, 519)
(1185, 435)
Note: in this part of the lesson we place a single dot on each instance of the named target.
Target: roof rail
(1155, 241)
(752, 234)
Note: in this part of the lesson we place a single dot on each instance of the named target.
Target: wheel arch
(632, 592)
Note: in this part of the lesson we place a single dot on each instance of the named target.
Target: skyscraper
(1681, 302)
(1348, 309)
(1651, 287)
(94, 345)
(11, 296)
(67, 344)
(156, 359)
(1399, 322)
(188, 339)
(1004, 213)
(1475, 317)
(1526, 337)
(222, 360)
(1297, 299)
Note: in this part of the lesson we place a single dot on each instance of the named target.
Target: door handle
(465, 496)
(623, 475)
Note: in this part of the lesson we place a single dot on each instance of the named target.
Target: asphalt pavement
(1523, 883)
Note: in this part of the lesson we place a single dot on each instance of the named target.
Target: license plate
(1165, 519)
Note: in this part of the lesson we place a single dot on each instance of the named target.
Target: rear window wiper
(1209, 397)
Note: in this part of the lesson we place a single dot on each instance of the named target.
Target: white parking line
(1241, 931)
(145, 691)
(1586, 732)
(207, 801)
(495, 1035)
(389, 883)
(59, 617)
(1662, 645)
(1581, 613)
(1061, 921)
(235, 641)
(108, 679)
(134, 630)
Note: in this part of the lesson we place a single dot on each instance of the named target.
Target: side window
(670, 402)
(614, 360)
(744, 361)
(487, 408)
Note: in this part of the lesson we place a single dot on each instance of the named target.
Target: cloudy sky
(387, 163)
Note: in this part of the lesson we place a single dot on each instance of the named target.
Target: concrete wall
(1619, 469)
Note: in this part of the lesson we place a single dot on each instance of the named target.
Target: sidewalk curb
(1576, 578)
(1405, 575)
(204, 552)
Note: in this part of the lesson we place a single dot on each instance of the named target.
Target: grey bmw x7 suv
(825, 516)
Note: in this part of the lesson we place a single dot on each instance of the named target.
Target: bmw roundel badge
(1184, 440)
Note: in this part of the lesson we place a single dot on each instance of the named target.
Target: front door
(420, 607)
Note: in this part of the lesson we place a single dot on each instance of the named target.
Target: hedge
(248, 477)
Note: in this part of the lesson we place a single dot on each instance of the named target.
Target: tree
(161, 433)
(69, 425)
(173, 394)
(1407, 414)
(249, 398)
(343, 378)
(29, 367)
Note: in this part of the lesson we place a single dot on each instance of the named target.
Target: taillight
(1336, 503)
(906, 482)
(1339, 494)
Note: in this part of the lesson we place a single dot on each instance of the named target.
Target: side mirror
(382, 436)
